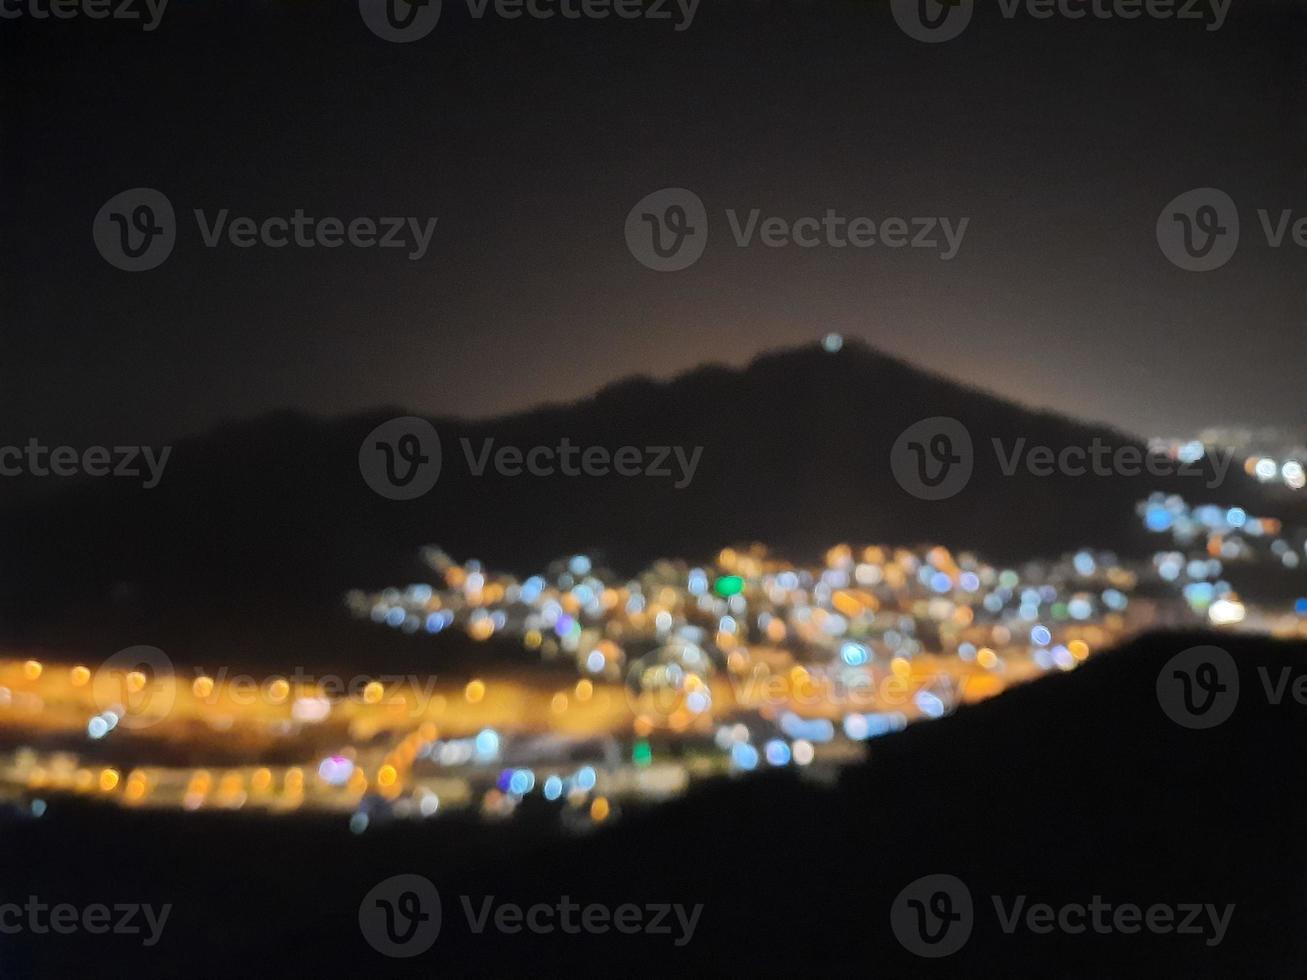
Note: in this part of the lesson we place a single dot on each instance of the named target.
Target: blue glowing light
(521, 782)
(929, 704)
(744, 756)
(487, 744)
(807, 729)
(335, 770)
(854, 654)
(585, 778)
(1158, 518)
(778, 752)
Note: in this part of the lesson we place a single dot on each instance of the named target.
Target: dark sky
(530, 141)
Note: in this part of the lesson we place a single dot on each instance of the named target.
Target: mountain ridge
(272, 512)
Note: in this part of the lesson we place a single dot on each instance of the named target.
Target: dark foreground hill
(1072, 787)
(269, 518)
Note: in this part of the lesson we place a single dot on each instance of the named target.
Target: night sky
(531, 140)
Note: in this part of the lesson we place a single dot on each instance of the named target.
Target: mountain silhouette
(271, 517)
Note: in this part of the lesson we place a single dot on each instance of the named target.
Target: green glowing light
(729, 585)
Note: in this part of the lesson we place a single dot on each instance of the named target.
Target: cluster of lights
(858, 609)
(1207, 538)
(1284, 467)
(738, 665)
(687, 642)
